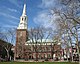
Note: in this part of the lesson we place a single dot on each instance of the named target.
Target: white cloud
(9, 16)
(48, 3)
(46, 20)
(15, 2)
(10, 21)
(9, 26)
(12, 10)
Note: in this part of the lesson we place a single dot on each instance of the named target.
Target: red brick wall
(21, 38)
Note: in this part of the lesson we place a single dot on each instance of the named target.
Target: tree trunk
(7, 55)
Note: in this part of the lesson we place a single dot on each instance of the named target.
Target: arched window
(22, 19)
(25, 18)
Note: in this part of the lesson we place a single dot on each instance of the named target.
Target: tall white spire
(24, 10)
(23, 19)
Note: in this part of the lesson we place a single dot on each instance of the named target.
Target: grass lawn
(37, 63)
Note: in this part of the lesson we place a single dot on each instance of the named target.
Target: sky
(37, 12)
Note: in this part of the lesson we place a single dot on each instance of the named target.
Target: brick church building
(25, 50)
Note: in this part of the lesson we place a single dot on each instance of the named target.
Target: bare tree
(68, 18)
(9, 37)
(37, 35)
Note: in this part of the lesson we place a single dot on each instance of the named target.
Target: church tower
(21, 35)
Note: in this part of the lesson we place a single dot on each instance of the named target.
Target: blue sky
(11, 10)
(37, 11)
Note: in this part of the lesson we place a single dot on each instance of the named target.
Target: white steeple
(24, 10)
(23, 19)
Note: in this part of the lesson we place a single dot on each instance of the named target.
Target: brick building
(25, 50)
